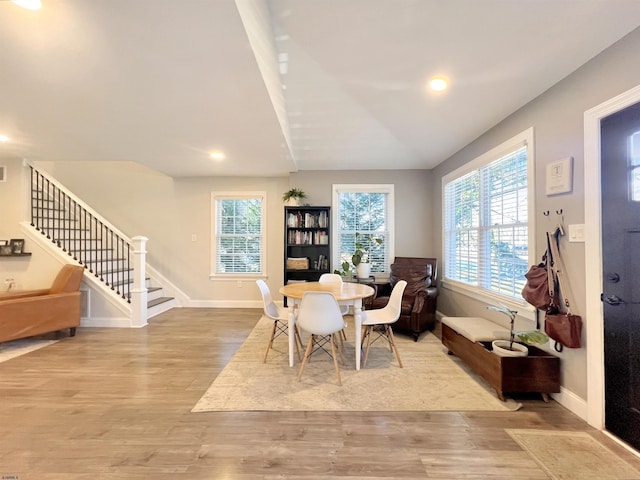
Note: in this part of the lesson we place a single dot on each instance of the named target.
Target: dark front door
(620, 171)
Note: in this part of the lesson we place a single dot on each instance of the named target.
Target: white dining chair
(280, 317)
(378, 322)
(344, 309)
(319, 315)
(334, 278)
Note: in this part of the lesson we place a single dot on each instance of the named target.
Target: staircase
(157, 302)
(91, 241)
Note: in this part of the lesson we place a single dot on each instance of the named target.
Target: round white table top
(342, 291)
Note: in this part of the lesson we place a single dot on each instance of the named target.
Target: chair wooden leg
(298, 341)
(273, 334)
(341, 339)
(335, 360)
(392, 342)
(337, 339)
(367, 333)
(307, 354)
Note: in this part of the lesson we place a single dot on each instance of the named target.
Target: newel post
(139, 289)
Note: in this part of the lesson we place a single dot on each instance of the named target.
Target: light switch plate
(576, 232)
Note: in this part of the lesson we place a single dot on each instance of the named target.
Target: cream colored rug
(573, 456)
(15, 348)
(430, 380)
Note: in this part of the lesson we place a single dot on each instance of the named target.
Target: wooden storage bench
(537, 372)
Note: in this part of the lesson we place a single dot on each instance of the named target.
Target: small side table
(368, 280)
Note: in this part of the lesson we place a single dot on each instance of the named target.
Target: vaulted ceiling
(282, 85)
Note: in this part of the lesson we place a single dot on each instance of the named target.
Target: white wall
(38, 270)
(557, 117)
(170, 211)
(414, 213)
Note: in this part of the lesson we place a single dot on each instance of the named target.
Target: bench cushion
(477, 329)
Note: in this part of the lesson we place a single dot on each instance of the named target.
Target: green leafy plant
(364, 243)
(293, 193)
(346, 269)
(530, 337)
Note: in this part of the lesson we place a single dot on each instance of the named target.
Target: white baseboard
(224, 304)
(109, 322)
(571, 402)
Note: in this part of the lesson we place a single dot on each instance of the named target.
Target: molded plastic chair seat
(334, 278)
(379, 322)
(319, 315)
(280, 317)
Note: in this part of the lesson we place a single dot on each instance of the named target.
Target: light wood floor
(115, 404)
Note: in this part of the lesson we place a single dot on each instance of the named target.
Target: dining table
(345, 293)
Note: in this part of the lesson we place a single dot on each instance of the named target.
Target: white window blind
(486, 231)
(239, 235)
(363, 214)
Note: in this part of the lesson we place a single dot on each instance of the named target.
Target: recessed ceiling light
(4, 138)
(217, 155)
(438, 84)
(28, 4)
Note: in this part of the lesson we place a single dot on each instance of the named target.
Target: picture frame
(6, 249)
(559, 177)
(17, 246)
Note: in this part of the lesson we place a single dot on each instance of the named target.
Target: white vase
(293, 202)
(363, 270)
(501, 348)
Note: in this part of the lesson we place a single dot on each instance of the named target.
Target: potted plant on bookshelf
(361, 257)
(293, 196)
(511, 348)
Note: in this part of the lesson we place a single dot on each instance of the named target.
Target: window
(486, 220)
(239, 240)
(363, 214)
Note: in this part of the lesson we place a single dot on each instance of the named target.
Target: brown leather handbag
(563, 327)
(537, 290)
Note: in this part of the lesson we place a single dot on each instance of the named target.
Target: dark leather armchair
(418, 312)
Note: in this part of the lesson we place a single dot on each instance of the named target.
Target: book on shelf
(322, 263)
(307, 220)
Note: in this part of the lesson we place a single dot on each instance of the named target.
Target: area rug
(15, 348)
(430, 380)
(573, 455)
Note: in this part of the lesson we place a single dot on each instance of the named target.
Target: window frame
(525, 138)
(385, 188)
(249, 195)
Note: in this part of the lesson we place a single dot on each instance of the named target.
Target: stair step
(158, 301)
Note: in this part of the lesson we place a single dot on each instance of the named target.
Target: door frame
(593, 252)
